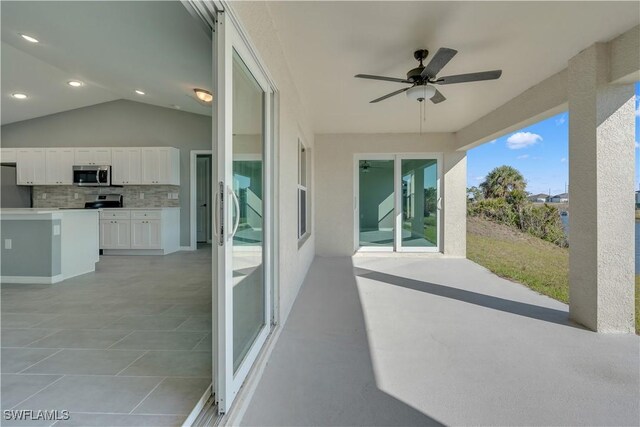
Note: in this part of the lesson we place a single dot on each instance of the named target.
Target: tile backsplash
(64, 196)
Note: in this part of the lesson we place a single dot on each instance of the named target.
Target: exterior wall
(334, 164)
(120, 123)
(294, 261)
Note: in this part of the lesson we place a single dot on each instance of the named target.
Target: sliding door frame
(397, 191)
(229, 39)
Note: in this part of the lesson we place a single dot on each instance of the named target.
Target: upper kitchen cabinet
(8, 155)
(93, 156)
(160, 165)
(125, 168)
(31, 166)
(59, 169)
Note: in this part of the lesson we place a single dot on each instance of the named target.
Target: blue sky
(540, 152)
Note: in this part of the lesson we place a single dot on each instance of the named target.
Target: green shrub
(543, 222)
(498, 210)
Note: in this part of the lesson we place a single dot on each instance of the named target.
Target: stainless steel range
(105, 201)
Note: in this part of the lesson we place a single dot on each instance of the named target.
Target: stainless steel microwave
(92, 176)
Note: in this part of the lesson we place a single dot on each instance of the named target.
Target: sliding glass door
(397, 203)
(243, 221)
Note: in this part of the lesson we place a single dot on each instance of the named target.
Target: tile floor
(128, 345)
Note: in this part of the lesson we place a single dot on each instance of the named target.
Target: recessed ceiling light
(139, 92)
(29, 38)
(204, 95)
(19, 95)
(75, 83)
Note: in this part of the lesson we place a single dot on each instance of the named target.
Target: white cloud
(563, 160)
(637, 145)
(479, 178)
(561, 120)
(638, 111)
(522, 140)
(493, 141)
(524, 156)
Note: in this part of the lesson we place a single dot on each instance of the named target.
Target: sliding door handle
(236, 204)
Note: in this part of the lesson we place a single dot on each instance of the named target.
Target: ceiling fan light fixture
(19, 95)
(421, 92)
(204, 95)
(75, 83)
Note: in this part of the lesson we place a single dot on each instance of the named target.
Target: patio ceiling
(327, 43)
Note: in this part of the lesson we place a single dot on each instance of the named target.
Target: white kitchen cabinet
(146, 234)
(125, 168)
(115, 234)
(160, 166)
(31, 166)
(150, 231)
(8, 155)
(59, 167)
(92, 156)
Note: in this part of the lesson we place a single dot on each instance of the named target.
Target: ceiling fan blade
(386, 79)
(440, 59)
(389, 95)
(438, 97)
(471, 77)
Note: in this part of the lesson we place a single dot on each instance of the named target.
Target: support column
(601, 195)
(454, 206)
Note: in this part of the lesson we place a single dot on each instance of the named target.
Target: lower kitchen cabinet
(139, 231)
(115, 234)
(146, 234)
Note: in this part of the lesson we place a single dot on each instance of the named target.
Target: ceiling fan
(366, 166)
(423, 78)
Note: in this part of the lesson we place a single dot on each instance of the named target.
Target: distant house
(538, 198)
(560, 198)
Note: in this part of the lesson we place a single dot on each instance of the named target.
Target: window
(303, 199)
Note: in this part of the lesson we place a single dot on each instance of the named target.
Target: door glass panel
(419, 203)
(376, 202)
(248, 186)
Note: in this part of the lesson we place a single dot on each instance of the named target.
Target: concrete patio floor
(428, 341)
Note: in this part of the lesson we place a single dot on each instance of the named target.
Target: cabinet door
(106, 234)
(83, 156)
(150, 166)
(115, 234)
(102, 156)
(59, 165)
(24, 166)
(133, 165)
(8, 155)
(139, 234)
(164, 166)
(155, 234)
(39, 165)
(120, 166)
(123, 234)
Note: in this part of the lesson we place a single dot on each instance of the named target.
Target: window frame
(303, 187)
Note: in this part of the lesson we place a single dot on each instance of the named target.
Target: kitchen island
(48, 245)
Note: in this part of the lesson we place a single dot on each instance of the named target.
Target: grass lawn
(539, 265)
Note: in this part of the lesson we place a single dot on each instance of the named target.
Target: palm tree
(501, 181)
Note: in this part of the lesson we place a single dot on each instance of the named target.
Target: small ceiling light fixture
(177, 107)
(29, 38)
(75, 83)
(139, 92)
(18, 95)
(421, 92)
(203, 95)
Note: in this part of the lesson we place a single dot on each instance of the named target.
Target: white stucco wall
(293, 123)
(334, 166)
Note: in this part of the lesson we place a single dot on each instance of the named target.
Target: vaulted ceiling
(114, 47)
